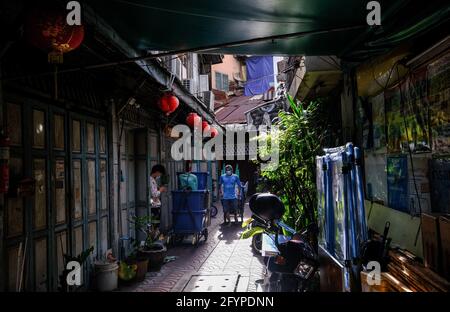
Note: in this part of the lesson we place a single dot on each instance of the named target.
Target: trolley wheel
(177, 238)
(214, 211)
(205, 234)
(196, 238)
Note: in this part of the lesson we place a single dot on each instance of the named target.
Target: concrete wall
(276, 59)
(297, 80)
(229, 67)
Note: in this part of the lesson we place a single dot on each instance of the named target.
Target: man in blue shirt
(229, 191)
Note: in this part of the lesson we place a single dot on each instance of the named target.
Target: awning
(262, 27)
(160, 74)
(322, 75)
(212, 58)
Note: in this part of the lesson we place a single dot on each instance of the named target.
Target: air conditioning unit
(204, 83)
(176, 67)
(208, 99)
(190, 85)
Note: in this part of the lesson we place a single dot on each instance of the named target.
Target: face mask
(228, 172)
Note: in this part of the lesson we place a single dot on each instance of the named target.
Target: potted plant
(63, 277)
(127, 272)
(151, 248)
(139, 261)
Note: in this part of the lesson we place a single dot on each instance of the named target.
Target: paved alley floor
(223, 254)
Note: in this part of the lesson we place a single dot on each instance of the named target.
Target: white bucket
(106, 276)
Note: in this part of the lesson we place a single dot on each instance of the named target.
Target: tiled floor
(223, 253)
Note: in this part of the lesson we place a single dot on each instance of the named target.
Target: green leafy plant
(81, 259)
(304, 131)
(127, 271)
(145, 225)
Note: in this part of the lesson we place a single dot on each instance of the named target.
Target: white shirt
(154, 193)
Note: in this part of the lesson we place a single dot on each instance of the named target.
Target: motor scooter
(291, 259)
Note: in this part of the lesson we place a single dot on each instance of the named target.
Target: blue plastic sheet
(397, 182)
(321, 201)
(340, 191)
(340, 201)
(260, 75)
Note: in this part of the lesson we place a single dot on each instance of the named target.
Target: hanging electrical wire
(283, 21)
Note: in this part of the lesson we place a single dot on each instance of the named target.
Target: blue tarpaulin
(397, 182)
(260, 75)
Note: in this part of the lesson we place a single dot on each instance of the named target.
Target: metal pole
(119, 184)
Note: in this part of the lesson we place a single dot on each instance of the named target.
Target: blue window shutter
(218, 81)
(225, 83)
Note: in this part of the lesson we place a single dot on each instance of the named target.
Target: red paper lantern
(173, 103)
(48, 30)
(163, 105)
(214, 132)
(205, 126)
(193, 119)
(168, 103)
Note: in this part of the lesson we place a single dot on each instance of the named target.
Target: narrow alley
(223, 255)
(134, 132)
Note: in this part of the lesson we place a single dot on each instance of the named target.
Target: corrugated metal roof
(234, 110)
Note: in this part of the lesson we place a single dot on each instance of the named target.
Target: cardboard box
(431, 241)
(444, 229)
(384, 286)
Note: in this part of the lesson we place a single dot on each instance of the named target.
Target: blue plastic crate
(185, 222)
(202, 180)
(189, 200)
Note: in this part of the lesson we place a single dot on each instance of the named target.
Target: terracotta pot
(155, 255)
(142, 268)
